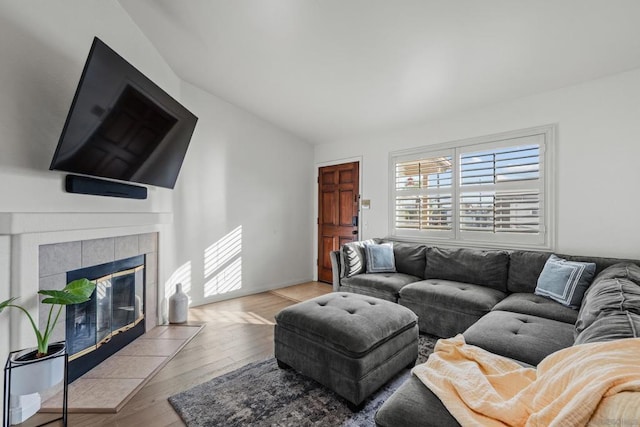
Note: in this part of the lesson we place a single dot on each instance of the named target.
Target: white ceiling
(327, 69)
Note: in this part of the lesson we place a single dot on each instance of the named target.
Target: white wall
(597, 160)
(239, 170)
(43, 46)
(242, 172)
(5, 261)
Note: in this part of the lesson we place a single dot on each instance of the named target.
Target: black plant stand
(10, 365)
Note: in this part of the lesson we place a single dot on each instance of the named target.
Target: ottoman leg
(355, 408)
(282, 365)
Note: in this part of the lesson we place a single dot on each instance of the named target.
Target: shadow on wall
(223, 264)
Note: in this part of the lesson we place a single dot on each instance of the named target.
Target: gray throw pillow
(380, 258)
(565, 281)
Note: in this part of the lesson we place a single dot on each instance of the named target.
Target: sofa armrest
(335, 269)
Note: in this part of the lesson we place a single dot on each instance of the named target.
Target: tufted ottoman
(350, 343)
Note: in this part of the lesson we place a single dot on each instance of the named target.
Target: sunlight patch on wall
(181, 275)
(227, 280)
(223, 264)
(222, 251)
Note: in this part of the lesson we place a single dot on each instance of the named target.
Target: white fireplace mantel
(13, 223)
(25, 232)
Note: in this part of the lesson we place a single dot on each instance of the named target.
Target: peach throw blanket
(481, 388)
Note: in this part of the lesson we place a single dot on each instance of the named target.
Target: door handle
(354, 232)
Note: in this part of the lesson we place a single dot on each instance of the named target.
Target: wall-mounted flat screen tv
(123, 126)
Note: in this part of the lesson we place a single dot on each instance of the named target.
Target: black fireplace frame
(82, 364)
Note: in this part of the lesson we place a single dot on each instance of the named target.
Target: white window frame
(544, 240)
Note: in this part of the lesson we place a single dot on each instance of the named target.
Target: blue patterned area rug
(261, 394)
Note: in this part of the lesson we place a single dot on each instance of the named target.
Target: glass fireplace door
(103, 318)
(116, 306)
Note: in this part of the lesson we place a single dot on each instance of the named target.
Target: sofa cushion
(353, 258)
(382, 285)
(411, 258)
(478, 267)
(447, 308)
(620, 270)
(615, 290)
(612, 326)
(600, 262)
(524, 269)
(380, 258)
(565, 281)
(537, 305)
(454, 296)
(519, 336)
(414, 405)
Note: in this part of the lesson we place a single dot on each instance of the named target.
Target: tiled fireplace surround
(55, 260)
(36, 250)
(77, 239)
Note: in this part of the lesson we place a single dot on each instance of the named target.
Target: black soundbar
(100, 187)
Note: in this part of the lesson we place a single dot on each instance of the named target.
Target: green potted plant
(51, 373)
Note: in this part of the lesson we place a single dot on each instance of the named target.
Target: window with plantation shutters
(499, 189)
(423, 188)
(489, 191)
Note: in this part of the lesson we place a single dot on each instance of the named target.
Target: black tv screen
(123, 126)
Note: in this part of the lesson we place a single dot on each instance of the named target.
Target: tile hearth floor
(108, 386)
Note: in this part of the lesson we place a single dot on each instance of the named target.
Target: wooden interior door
(338, 194)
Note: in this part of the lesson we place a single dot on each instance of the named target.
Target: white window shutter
(488, 191)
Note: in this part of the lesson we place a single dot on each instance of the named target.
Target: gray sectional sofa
(488, 296)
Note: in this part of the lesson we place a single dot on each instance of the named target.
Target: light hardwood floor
(237, 332)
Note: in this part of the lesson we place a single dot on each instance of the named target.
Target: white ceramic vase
(178, 306)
